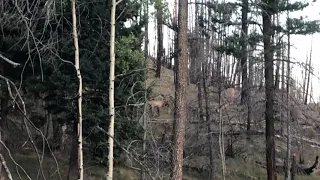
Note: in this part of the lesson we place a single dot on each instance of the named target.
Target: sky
(301, 45)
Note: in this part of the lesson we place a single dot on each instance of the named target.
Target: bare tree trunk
(180, 92)
(309, 74)
(244, 51)
(4, 129)
(269, 87)
(146, 36)
(199, 85)
(160, 40)
(250, 84)
(278, 55)
(77, 66)
(210, 134)
(221, 133)
(175, 44)
(305, 76)
(282, 87)
(200, 57)
(287, 174)
(111, 89)
(294, 168)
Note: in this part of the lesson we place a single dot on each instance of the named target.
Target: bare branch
(9, 61)
(4, 164)
(125, 150)
(118, 2)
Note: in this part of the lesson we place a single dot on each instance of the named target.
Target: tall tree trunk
(282, 84)
(200, 57)
(4, 113)
(210, 134)
(309, 75)
(199, 86)
(250, 84)
(278, 55)
(244, 51)
(294, 167)
(267, 9)
(4, 128)
(175, 43)
(146, 41)
(287, 173)
(146, 35)
(180, 92)
(305, 76)
(160, 40)
(111, 89)
(77, 67)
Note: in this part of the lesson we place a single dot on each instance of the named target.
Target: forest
(159, 90)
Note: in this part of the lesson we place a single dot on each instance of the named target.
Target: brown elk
(157, 104)
(229, 94)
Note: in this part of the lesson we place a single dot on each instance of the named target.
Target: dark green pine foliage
(299, 26)
(59, 76)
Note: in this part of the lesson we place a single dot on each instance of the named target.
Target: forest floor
(237, 169)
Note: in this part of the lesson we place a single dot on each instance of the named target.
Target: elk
(229, 94)
(297, 114)
(157, 104)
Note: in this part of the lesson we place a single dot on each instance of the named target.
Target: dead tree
(267, 11)
(160, 39)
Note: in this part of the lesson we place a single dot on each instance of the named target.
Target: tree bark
(309, 74)
(160, 41)
(111, 90)
(4, 130)
(210, 134)
(250, 84)
(180, 92)
(287, 174)
(267, 9)
(244, 51)
(144, 143)
(77, 67)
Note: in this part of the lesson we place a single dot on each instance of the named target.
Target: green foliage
(302, 27)
(291, 7)
(161, 5)
(128, 57)
(231, 45)
(60, 83)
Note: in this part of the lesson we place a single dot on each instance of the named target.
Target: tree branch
(4, 164)
(9, 61)
(139, 162)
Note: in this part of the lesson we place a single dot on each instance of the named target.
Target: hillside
(304, 129)
(249, 155)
